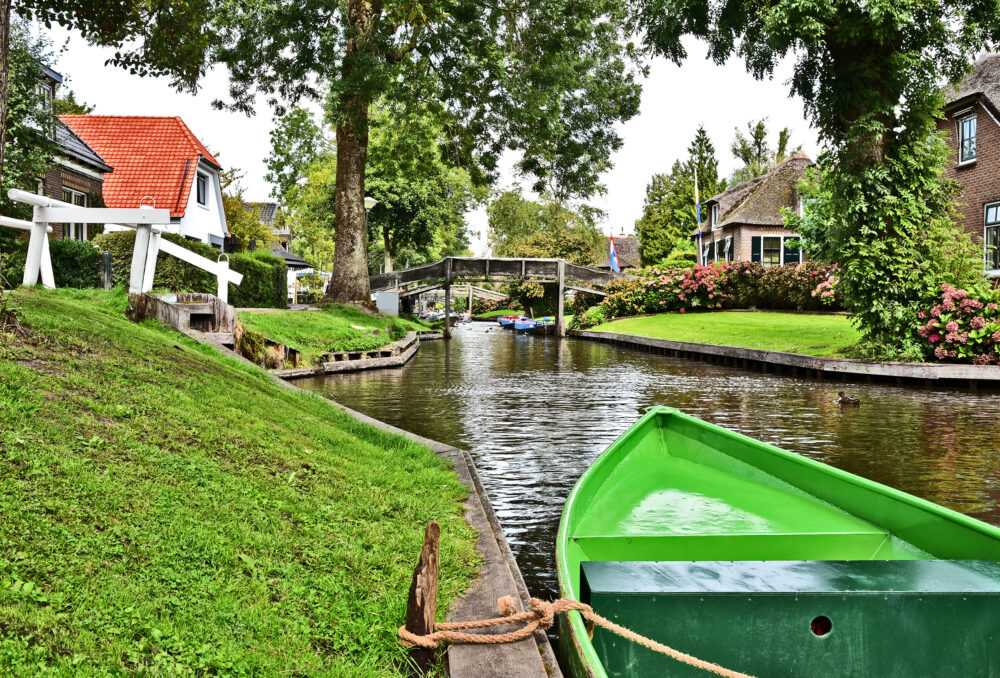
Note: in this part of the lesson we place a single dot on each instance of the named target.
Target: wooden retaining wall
(796, 364)
(404, 349)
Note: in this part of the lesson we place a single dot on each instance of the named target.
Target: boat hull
(674, 490)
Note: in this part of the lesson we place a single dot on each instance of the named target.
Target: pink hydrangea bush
(963, 327)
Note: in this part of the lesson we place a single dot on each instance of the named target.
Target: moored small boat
(524, 325)
(546, 325)
(768, 563)
(507, 321)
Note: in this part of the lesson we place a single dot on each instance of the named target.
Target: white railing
(147, 222)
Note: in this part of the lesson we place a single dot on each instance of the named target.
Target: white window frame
(198, 178)
(72, 231)
(991, 272)
(714, 212)
(781, 256)
(728, 251)
(959, 120)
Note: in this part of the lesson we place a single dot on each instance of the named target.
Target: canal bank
(499, 575)
(843, 369)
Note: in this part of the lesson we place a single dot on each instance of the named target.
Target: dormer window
(202, 189)
(967, 138)
(715, 215)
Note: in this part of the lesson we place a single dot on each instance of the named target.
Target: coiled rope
(539, 617)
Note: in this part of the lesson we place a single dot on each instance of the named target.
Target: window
(74, 231)
(772, 251)
(728, 249)
(992, 236)
(202, 188)
(967, 139)
(715, 215)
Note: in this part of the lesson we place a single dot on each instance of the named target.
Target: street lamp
(369, 204)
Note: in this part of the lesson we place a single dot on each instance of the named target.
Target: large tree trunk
(4, 74)
(385, 243)
(349, 282)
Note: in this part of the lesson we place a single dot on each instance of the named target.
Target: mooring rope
(541, 616)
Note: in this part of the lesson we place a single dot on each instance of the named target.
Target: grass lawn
(316, 332)
(170, 512)
(811, 334)
(496, 314)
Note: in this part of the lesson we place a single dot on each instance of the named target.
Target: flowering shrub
(723, 285)
(592, 316)
(962, 327)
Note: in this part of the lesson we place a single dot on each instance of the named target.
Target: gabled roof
(74, 148)
(627, 249)
(153, 157)
(984, 81)
(266, 211)
(759, 201)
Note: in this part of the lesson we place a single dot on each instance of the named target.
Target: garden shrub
(963, 326)
(480, 306)
(75, 263)
(264, 282)
(589, 318)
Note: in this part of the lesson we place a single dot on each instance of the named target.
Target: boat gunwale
(575, 623)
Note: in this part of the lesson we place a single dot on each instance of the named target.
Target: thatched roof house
(746, 223)
(627, 248)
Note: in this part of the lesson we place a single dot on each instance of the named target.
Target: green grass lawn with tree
(170, 511)
(824, 335)
(334, 328)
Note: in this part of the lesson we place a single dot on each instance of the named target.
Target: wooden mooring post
(421, 607)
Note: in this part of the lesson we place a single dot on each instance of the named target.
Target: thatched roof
(628, 253)
(983, 81)
(759, 201)
(266, 211)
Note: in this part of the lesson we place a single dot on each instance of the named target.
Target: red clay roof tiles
(153, 156)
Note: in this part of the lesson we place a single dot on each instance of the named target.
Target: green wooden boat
(768, 563)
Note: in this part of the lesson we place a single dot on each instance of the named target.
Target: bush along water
(803, 287)
(963, 326)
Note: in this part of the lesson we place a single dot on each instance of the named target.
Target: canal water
(535, 412)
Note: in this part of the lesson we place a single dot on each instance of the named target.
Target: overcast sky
(675, 100)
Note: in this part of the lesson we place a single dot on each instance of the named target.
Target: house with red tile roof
(157, 161)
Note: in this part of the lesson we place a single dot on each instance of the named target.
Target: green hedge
(264, 275)
(75, 263)
(265, 281)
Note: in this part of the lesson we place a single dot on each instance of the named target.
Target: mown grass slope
(334, 328)
(167, 511)
(808, 333)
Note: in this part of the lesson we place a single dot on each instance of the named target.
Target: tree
(165, 38)
(669, 212)
(548, 80)
(419, 194)
(242, 222)
(66, 104)
(869, 76)
(756, 154)
(296, 141)
(30, 121)
(549, 229)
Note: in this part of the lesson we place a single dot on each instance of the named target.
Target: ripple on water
(534, 413)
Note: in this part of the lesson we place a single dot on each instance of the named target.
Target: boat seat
(848, 618)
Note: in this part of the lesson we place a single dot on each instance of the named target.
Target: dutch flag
(613, 257)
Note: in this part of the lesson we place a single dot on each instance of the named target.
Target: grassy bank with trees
(169, 511)
(334, 328)
(825, 335)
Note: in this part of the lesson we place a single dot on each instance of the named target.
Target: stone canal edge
(499, 575)
(926, 374)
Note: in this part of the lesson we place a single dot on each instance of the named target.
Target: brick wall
(980, 180)
(60, 177)
(744, 234)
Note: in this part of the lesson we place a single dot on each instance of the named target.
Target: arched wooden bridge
(466, 270)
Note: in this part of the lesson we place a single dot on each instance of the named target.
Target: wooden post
(447, 298)
(142, 234)
(470, 302)
(421, 607)
(36, 244)
(560, 325)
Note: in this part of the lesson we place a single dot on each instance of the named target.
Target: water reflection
(535, 412)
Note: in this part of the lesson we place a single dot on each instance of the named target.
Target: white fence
(147, 222)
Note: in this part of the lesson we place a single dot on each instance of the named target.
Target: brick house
(745, 222)
(77, 174)
(158, 161)
(972, 122)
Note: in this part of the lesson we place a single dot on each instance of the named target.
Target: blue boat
(524, 325)
(507, 321)
(546, 325)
